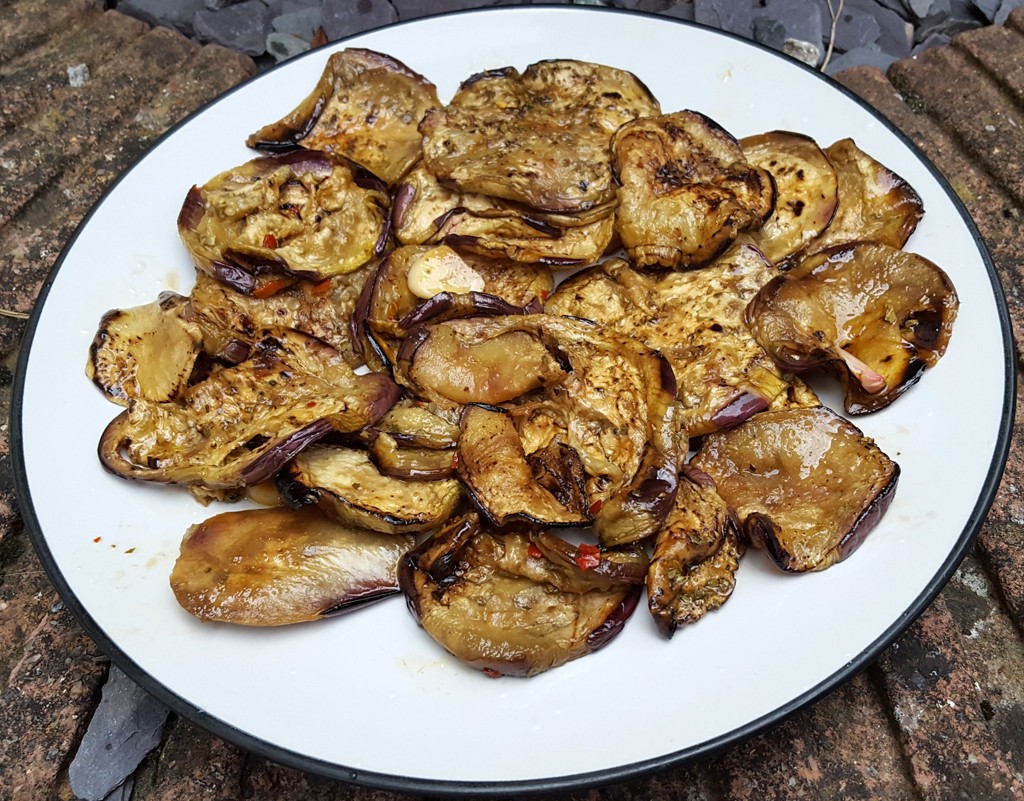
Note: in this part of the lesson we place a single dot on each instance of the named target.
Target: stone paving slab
(939, 716)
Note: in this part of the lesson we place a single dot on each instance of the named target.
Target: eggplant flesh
(807, 191)
(493, 467)
(279, 566)
(322, 310)
(695, 320)
(243, 423)
(146, 351)
(539, 138)
(875, 204)
(686, 191)
(298, 216)
(389, 308)
(874, 314)
(346, 486)
(807, 485)
(499, 605)
(696, 555)
(366, 107)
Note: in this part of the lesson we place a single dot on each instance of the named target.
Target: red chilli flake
(491, 673)
(270, 241)
(588, 556)
(533, 551)
(595, 507)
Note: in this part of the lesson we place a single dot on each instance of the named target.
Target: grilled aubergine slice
(346, 486)
(366, 107)
(493, 466)
(426, 212)
(876, 315)
(300, 215)
(147, 351)
(565, 380)
(322, 309)
(807, 191)
(414, 284)
(875, 203)
(277, 566)
(539, 138)
(686, 190)
(696, 555)
(243, 423)
(695, 320)
(500, 604)
(807, 485)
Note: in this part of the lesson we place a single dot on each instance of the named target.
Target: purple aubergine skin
(615, 622)
(458, 241)
(450, 305)
(742, 407)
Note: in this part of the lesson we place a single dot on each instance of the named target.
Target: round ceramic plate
(369, 697)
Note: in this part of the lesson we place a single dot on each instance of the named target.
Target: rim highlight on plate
(368, 697)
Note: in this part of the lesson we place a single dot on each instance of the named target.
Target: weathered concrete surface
(939, 716)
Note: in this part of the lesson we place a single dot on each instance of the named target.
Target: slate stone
(867, 56)
(726, 15)
(648, 6)
(958, 17)
(919, 8)
(243, 26)
(283, 46)
(896, 36)
(989, 8)
(856, 28)
(1005, 9)
(301, 24)
(343, 18)
(175, 14)
(127, 725)
(934, 40)
(413, 9)
(681, 10)
(769, 32)
(217, 5)
(804, 22)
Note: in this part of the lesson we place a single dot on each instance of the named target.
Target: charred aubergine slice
(296, 216)
(366, 107)
(415, 284)
(872, 313)
(346, 486)
(694, 319)
(146, 351)
(273, 567)
(539, 138)
(605, 395)
(498, 477)
(243, 423)
(807, 485)
(426, 212)
(322, 309)
(696, 555)
(874, 202)
(501, 605)
(807, 187)
(686, 190)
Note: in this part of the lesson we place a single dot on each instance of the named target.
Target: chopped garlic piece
(441, 269)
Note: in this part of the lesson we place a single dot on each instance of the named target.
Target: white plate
(369, 697)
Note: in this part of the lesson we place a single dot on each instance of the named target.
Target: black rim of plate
(619, 773)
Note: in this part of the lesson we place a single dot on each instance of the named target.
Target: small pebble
(78, 75)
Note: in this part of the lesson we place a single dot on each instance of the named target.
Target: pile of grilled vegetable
(521, 357)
